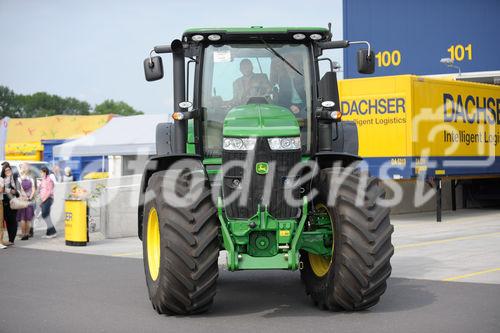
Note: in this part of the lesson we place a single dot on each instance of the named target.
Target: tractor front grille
(236, 183)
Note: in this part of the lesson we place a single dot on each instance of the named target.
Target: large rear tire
(355, 276)
(180, 245)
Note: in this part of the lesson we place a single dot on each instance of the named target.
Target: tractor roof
(249, 33)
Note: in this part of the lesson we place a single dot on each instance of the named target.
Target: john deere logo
(262, 168)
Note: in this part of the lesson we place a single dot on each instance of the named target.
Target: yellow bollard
(75, 223)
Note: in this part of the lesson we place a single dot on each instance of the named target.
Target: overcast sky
(93, 49)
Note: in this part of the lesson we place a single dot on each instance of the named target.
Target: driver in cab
(249, 84)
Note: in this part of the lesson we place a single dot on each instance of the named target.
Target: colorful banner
(27, 130)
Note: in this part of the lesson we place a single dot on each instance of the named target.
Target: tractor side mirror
(366, 62)
(153, 68)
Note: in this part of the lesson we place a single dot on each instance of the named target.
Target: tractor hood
(260, 120)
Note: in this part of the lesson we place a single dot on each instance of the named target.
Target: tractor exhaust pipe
(180, 126)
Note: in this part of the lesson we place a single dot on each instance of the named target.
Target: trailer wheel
(180, 246)
(355, 276)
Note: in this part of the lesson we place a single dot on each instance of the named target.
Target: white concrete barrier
(116, 202)
(119, 216)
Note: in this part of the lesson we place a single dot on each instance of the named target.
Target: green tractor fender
(165, 139)
(327, 159)
(155, 164)
(344, 147)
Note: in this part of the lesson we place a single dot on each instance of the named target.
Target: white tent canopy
(132, 135)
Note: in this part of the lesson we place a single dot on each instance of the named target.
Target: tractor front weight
(263, 242)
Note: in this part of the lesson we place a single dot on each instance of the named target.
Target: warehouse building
(429, 114)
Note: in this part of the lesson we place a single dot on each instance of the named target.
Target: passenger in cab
(289, 81)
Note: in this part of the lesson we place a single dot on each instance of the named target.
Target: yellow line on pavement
(459, 277)
(446, 240)
(127, 254)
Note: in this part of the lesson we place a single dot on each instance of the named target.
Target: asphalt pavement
(49, 291)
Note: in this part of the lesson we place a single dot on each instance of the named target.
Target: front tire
(355, 276)
(180, 245)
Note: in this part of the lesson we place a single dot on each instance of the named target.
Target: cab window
(234, 73)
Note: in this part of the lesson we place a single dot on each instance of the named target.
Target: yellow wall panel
(446, 126)
(381, 109)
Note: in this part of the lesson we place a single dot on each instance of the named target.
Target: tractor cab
(242, 68)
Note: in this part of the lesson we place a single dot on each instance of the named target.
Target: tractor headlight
(284, 143)
(239, 143)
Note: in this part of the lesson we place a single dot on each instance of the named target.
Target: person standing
(56, 172)
(10, 192)
(2, 245)
(47, 196)
(35, 191)
(27, 192)
(68, 175)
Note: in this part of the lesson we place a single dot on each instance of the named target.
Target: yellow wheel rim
(320, 265)
(153, 244)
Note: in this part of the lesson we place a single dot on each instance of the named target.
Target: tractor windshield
(234, 73)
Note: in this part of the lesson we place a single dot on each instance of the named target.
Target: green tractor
(257, 162)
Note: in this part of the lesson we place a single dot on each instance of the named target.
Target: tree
(41, 104)
(9, 103)
(119, 108)
(74, 106)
